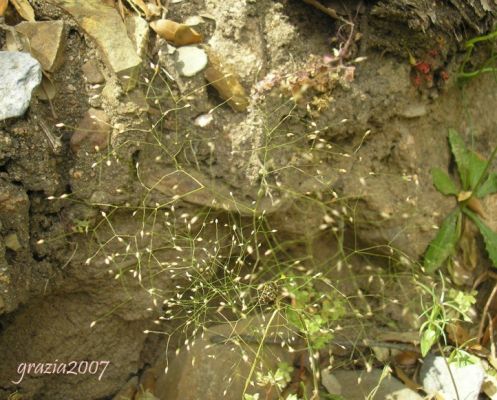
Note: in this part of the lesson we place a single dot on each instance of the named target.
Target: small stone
(92, 72)
(104, 25)
(436, 378)
(358, 385)
(203, 120)
(20, 73)
(12, 242)
(45, 42)
(194, 20)
(138, 98)
(414, 111)
(94, 129)
(330, 382)
(190, 60)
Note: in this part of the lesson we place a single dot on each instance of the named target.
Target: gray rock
(190, 60)
(358, 385)
(19, 75)
(436, 378)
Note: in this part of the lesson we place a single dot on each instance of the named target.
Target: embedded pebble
(94, 129)
(203, 120)
(190, 60)
(12, 242)
(92, 72)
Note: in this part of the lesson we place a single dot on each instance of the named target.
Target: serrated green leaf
(428, 339)
(469, 165)
(488, 187)
(460, 154)
(444, 243)
(443, 183)
(489, 236)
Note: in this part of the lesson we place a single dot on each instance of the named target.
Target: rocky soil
(135, 159)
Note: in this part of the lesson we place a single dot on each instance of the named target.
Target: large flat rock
(46, 41)
(104, 25)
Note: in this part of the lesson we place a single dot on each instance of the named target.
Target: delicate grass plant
(201, 266)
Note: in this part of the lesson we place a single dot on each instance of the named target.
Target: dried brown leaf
(407, 358)
(407, 381)
(3, 6)
(47, 90)
(463, 196)
(469, 247)
(177, 34)
(458, 334)
(475, 205)
(142, 6)
(402, 337)
(24, 9)
(228, 87)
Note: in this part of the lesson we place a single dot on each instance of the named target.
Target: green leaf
(469, 165)
(488, 187)
(489, 236)
(442, 182)
(428, 339)
(444, 243)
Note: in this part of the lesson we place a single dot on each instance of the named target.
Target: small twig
(485, 312)
(327, 10)
(343, 51)
(221, 339)
(491, 331)
(483, 277)
(54, 140)
(486, 337)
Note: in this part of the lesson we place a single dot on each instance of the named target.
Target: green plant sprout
(311, 312)
(476, 183)
(280, 378)
(203, 266)
(444, 308)
(489, 64)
